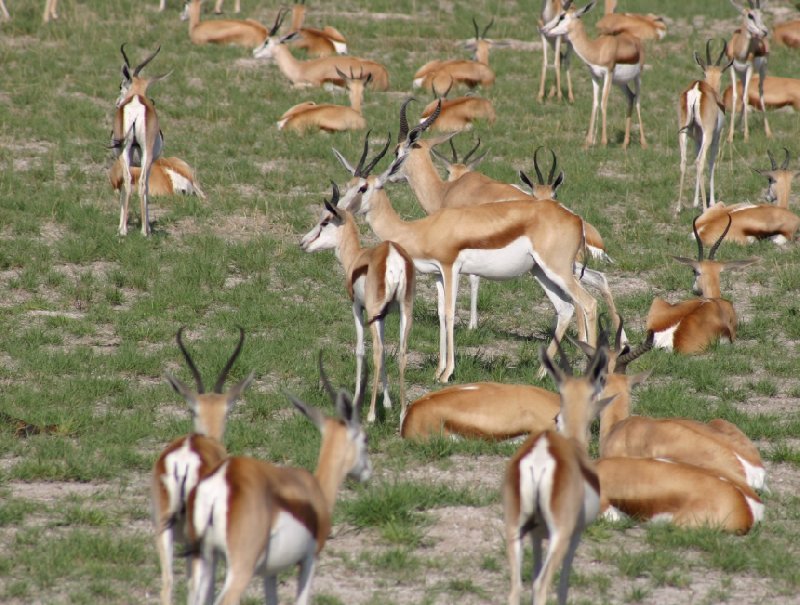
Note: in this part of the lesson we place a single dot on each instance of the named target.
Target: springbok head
(131, 82)
(543, 189)
(780, 179)
(267, 48)
(326, 234)
(456, 169)
(565, 20)
(713, 71)
(751, 15)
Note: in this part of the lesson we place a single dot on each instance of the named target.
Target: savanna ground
(88, 319)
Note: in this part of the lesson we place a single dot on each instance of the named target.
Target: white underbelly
(424, 265)
(289, 543)
(499, 263)
(625, 73)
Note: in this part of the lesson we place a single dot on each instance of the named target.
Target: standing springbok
(551, 8)
(265, 518)
(328, 117)
(473, 73)
(316, 42)
(377, 278)
(701, 118)
(136, 137)
(611, 59)
(644, 27)
(49, 11)
(189, 458)
(748, 49)
(499, 241)
(169, 176)
(551, 489)
(690, 326)
(247, 33)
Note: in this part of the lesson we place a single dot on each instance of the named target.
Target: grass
(89, 319)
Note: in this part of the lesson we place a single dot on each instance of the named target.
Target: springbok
(690, 326)
(644, 27)
(316, 42)
(455, 169)
(458, 114)
(320, 71)
(611, 59)
(266, 518)
(328, 117)
(787, 33)
(247, 33)
(499, 241)
(780, 180)
(551, 489)
(136, 137)
(377, 279)
(702, 118)
(551, 8)
(168, 176)
(189, 458)
(775, 93)
(439, 74)
(748, 49)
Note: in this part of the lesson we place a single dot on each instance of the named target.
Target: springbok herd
(264, 518)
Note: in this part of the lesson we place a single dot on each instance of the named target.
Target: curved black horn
(331, 205)
(124, 56)
(359, 167)
(403, 133)
(717, 244)
(325, 382)
(539, 176)
(785, 164)
(708, 51)
(224, 374)
(146, 61)
(626, 358)
(486, 29)
(477, 30)
(378, 157)
(772, 160)
(278, 22)
(563, 362)
(697, 237)
(197, 379)
(471, 151)
(453, 149)
(722, 53)
(553, 168)
(422, 127)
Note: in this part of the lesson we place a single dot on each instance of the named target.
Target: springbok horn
(553, 169)
(360, 165)
(197, 379)
(722, 53)
(562, 359)
(146, 61)
(278, 22)
(430, 119)
(325, 382)
(331, 205)
(772, 160)
(453, 149)
(486, 29)
(378, 157)
(717, 244)
(224, 374)
(539, 176)
(471, 151)
(618, 335)
(477, 31)
(626, 358)
(708, 51)
(785, 164)
(403, 133)
(124, 56)
(697, 237)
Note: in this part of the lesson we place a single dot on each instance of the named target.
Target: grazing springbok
(266, 518)
(189, 458)
(551, 489)
(690, 326)
(247, 33)
(748, 49)
(316, 42)
(551, 8)
(329, 117)
(136, 137)
(775, 93)
(499, 241)
(440, 74)
(701, 118)
(787, 33)
(168, 176)
(644, 27)
(611, 59)
(458, 114)
(320, 71)
(377, 279)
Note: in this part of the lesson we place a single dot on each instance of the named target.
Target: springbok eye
(363, 188)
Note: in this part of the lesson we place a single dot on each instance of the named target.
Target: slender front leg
(604, 105)
(748, 75)
(762, 73)
(406, 319)
(682, 141)
(450, 294)
(629, 97)
(557, 67)
(700, 162)
(440, 307)
(590, 134)
(566, 63)
(544, 68)
(712, 160)
(379, 363)
(734, 94)
(637, 91)
(124, 198)
(474, 284)
(144, 191)
(358, 316)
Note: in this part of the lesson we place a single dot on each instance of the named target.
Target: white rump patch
(663, 339)
(755, 476)
(180, 184)
(417, 82)
(536, 471)
(756, 509)
(779, 239)
(625, 73)
(339, 47)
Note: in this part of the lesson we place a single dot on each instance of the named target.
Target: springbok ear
(184, 391)
(639, 378)
(525, 179)
(581, 12)
(558, 182)
(603, 404)
(686, 261)
(310, 412)
(555, 372)
(343, 161)
(735, 265)
(239, 388)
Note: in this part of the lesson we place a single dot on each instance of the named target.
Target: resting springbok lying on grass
(247, 33)
(458, 114)
(136, 137)
(266, 518)
(776, 93)
(320, 71)
(644, 27)
(551, 489)
(189, 458)
(316, 42)
(328, 117)
(168, 176)
(787, 33)
(499, 241)
(702, 119)
(611, 59)
(237, 7)
(377, 279)
(690, 326)
(441, 74)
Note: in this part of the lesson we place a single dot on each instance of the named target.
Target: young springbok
(247, 33)
(189, 458)
(316, 42)
(775, 93)
(748, 49)
(377, 279)
(611, 59)
(690, 326)
(702, 119)
(458, 114)
(328, 117)
(551, 489)
(550, 9)
(136, 137)
(644, 27)
(440, 74)
(266, 518)
(168, 176)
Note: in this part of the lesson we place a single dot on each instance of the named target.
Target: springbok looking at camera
(316, 42)
(551, 489)
(644, 27)
(328, 117)
(265, 518)
(611, 59)
(189, 458)
(168, 176)
(377, 278)
(749, 51)
(247, 33)
(689, 327)
(440, 74)
(136, 137)
(499, 241)
(550, 9)
(458, 114)
(702, 119)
